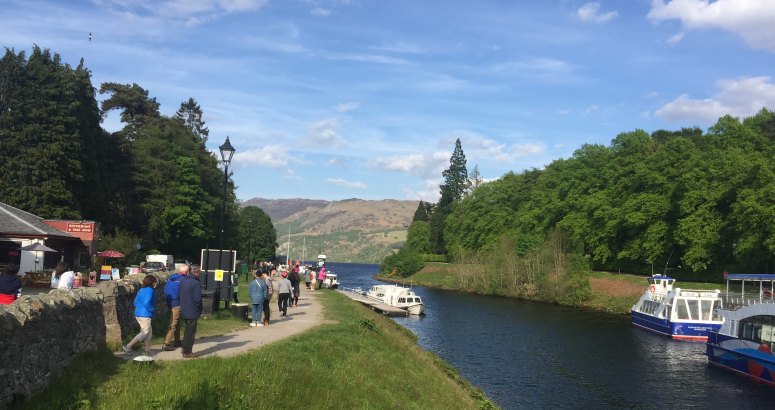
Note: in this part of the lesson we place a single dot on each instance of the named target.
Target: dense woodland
(699, 203)
(154, 182)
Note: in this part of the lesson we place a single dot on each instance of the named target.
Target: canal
(537, 355)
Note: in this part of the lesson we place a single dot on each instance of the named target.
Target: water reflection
(536, 355)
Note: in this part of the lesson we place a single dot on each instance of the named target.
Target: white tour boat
(679, 313)
(397, 296)
(331, 281)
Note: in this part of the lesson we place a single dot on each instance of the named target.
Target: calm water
(537, 355)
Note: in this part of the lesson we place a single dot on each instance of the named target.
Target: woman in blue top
(145, 302)
(257, 292)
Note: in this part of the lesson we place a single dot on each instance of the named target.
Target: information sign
(219, 276)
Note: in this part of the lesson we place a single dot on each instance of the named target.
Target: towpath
(307, 315)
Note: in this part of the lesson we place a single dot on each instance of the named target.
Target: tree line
(154, 182)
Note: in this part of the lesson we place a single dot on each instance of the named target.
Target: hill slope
(351, 230)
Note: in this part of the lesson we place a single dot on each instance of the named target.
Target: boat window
(705, 309)
(659, 281)
(669, 311)
(651, 281)
(401, 300)
(681, 310)
(767, 334)
(417, 300)
(746, 331)
(694, 308)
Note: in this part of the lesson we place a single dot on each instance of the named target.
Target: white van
(167, 260)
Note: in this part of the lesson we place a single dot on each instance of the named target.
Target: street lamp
(250, 225)
(227, 152)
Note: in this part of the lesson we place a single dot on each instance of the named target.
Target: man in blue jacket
(173, 303)
(257, 293)
(190, 296)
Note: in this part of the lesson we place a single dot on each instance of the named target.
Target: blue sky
(363, 98)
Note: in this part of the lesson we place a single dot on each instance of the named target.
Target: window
(659, 281)
(706, 307)
(681, 310)
(694, 309)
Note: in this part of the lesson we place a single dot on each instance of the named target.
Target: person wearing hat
(284, 289)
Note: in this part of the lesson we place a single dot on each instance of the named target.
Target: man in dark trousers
(190, 295)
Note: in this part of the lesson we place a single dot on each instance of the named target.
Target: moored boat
(678, 313)
(397, 296)
(746, 341)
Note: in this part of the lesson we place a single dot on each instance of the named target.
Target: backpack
(270, 290)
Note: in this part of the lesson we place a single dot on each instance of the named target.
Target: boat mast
(288, 261)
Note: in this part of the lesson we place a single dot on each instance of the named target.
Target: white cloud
(542, 69)
(646, 115)
(272, 156)
(591, 12)
(652, 94)
(429, 194)
(190, 13)
(523, 150)
(423, 165)
(591, 109)
(323, 134)
(563, 112)
(751, 19)
(494, 47)
(320, 12)
(337, 162)
(559, 145)
(342, 182)
(740, 98)
(675, 39)
(401, 47)
(347, 106)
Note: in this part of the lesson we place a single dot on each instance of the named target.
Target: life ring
(653, 288)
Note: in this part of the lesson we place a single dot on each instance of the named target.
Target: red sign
(80, 228)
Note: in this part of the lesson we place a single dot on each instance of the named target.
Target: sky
(337, 99)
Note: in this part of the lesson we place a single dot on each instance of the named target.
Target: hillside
(351, 230)
(278, 209)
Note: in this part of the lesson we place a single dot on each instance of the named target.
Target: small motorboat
(331, 281)
(397, 296)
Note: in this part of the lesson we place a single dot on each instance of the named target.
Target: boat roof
(750, 276)
(661, 277)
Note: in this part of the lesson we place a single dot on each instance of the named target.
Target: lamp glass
(227, 151)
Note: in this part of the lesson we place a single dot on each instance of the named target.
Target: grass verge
(339, 366)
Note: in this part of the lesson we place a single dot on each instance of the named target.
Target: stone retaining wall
(39, 335)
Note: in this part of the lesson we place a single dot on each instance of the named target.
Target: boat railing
(734, 301)
(355, 291)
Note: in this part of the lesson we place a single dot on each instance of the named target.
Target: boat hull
(416, 309)
(727, 352)
(676, 330)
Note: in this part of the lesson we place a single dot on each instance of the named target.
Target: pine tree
(190, 114)
(456, 176)
(136, 108)
(474, 181)
(421, 214)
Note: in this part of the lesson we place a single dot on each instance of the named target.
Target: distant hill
(278, 209)
(351, 230)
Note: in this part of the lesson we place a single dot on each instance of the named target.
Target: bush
(404, 262)
(426, 257)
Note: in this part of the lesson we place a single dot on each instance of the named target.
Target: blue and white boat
(678, 313)
(746, 341)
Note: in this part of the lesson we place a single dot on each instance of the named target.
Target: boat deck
(380, 307)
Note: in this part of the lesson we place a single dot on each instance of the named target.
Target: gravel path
(307, 315)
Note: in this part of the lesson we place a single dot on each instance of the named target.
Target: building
(75, 242)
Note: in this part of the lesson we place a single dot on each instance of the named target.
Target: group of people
(261, 291)
(183, 295)
(11, 285)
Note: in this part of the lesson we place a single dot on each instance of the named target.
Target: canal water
(537, 355)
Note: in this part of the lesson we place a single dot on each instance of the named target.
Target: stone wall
(39, 335)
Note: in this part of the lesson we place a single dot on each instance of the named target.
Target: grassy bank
(615, 293)
(363, 361)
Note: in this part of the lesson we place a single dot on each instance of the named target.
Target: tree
(474, 181)
(418, 237)
(136, 108)
(421, 214)
(261, 233)
(456, 176)
(190, 114)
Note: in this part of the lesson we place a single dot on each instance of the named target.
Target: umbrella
(111, 254)
(36, 247)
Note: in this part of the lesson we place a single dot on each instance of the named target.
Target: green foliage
(260, 232)
(123, 242)
(705, 197)
(368, 325)
(435, 258)
(405, 262)
(418, 237)
(421, 214)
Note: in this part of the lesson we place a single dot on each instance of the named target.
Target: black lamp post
(250, 225)
(227, 152)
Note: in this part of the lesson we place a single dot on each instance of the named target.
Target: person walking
(257, 292)
(190, 296)
(284, 289)
(269, 291)
(307, 277)
(10, 285)
(145, 304)
(295, 281)
(321, 277)
(173, 304)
